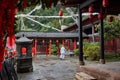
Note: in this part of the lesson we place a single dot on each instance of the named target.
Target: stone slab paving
(51, 68)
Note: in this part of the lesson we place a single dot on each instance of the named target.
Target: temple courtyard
(52, 68)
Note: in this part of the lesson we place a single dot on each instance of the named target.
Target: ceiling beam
(86, 3)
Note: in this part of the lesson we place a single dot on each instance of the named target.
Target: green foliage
(76, 51)
(111, 57)
(52, 22)
(91, 50)
(111, 29)
(44, 3)
(54, 49)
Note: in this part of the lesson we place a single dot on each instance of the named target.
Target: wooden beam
(87, 3)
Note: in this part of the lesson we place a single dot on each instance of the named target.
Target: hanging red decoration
(91, 16)
(24, 51)
(111, 19)
(16, 10)
(10, 41)
(50, 3)
(25, 4)
(91, 9)
(100, 16)
(14, 53)
(60, 13)
(105, 3)
(7, 18)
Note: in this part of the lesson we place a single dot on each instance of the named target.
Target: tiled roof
(49, 34)
(23, 39)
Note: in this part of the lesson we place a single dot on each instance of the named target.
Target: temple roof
(23, 39)
(33, 34)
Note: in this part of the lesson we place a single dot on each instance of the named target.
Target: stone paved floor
(52, 68)
(112, 66)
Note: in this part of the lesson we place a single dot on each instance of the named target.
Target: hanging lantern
(24, 51)
(25, 4)
(91, 9)
(60, 13)
(105, 3)
(100, 16)
(110, 19)
(91, 16)
(50, 3)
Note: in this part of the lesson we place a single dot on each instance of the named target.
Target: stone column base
(81, 63)
(102, 61)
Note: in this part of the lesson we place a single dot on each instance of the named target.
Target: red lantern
(91, 9)
(100, 16)
(25, 4)
(60, 13)
(111, 19)
(24, 51)
(50, 3)
(105, 3)
(91, 16)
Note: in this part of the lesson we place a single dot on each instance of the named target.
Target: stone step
(83, 76)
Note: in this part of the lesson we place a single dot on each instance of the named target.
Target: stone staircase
(94, 73)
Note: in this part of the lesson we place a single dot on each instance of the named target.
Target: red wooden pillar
(58, 45)
(63, 41)
(50, 47)
(75, 44)
(47, 51)
(35, 51)
(43, 41)
(68, 44)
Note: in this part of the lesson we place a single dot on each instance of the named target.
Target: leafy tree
(52, 22)
(111, 29)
